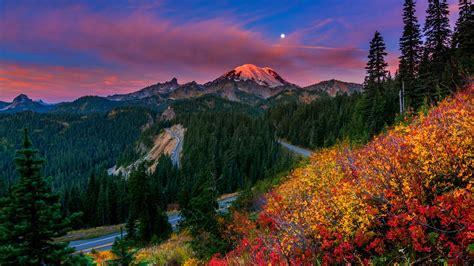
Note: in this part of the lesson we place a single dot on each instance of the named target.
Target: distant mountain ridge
(247, 84)
(24, 103)
(157, 89)
(333, 87)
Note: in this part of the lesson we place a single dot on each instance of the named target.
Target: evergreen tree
(376, 65)
(131, 227)
(199, 209)
(463, 38)
(373, 89)
(31, 217)
(411, 51)
(90, 202)
(463, 31)
(437, 29)
(145, 208)
(122, 248)
(103, 203)
(437, 33)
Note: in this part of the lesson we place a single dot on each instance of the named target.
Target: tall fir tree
(145, 208)
(376, 65)
(31, 217)
(411, 52)
(123, 250)
(438, 35)
(373, 88)
(90, 201)
(199, 209)
(463, 38)
(437, 29)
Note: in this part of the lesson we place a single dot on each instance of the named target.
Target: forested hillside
(405, 197)
(236, 148)
(327, 120)
(74, 146)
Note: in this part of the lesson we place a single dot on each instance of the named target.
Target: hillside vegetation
(405, 197)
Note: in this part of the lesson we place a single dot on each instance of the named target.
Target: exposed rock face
(188, 90)
(168, 142)
(168, 114)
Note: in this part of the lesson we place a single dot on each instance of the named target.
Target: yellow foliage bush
(174, 251)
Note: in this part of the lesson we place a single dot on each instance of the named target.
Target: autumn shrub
(102, 258)
(174, 251)
(405, 197)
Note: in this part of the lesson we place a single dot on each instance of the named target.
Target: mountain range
(23, 103)
(246, 84)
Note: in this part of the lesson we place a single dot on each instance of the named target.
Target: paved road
(105, 242)
(295, 149)
(99, 243)
(175, 154)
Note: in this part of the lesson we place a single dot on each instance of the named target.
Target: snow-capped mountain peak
(262, 76)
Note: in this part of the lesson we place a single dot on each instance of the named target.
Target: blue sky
(61, 50)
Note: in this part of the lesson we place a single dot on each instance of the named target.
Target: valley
(105, 242)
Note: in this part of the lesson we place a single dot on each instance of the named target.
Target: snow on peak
(262, 76)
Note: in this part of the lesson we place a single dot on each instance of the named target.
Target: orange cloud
(61, 83)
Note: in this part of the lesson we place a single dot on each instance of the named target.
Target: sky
(61, 50)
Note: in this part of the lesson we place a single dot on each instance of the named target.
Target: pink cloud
(59, 83)
(147, 48)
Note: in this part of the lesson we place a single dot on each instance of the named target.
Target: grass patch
(90, 233)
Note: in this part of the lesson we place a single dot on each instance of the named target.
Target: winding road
(295, 149)
(105, 242)
(175, 154)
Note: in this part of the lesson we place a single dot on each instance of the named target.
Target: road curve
(175, 154)
(295, 149)
(105, 242)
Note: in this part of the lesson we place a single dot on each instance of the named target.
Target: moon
(282, 36)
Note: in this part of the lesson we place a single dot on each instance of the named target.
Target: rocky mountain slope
(247, 84)
(23, 103)
(332, 87)
(157, 89)
(168, 142)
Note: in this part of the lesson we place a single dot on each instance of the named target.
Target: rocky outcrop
(168, 142)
